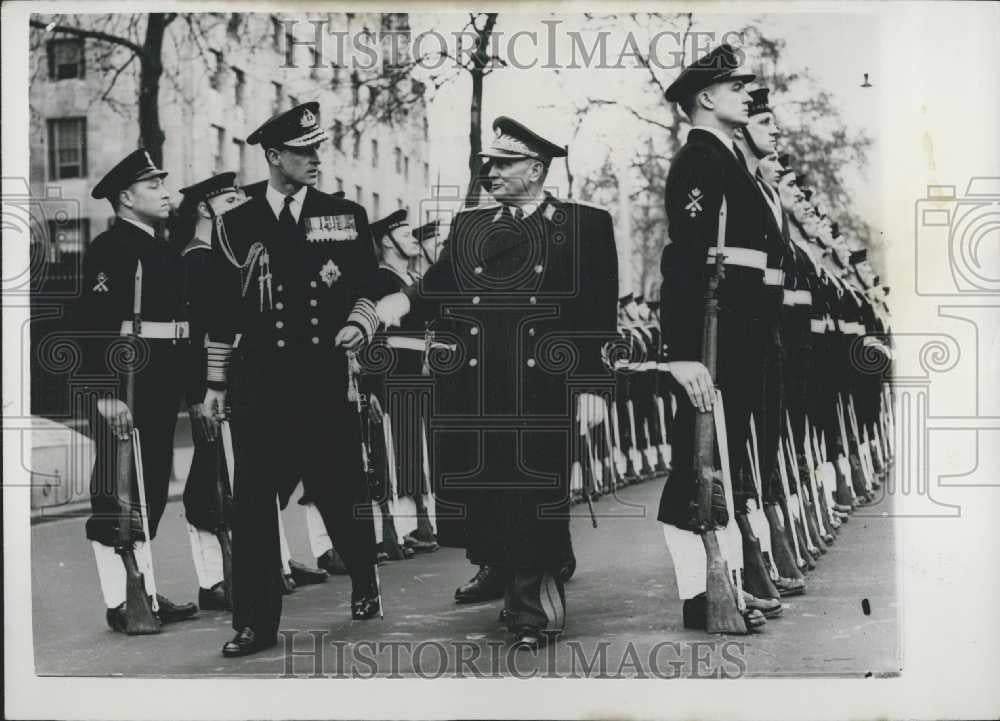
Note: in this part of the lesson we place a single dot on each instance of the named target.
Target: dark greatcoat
(529, 303)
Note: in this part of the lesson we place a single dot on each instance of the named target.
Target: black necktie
(286, 219)
(517, 213)
(739, 155)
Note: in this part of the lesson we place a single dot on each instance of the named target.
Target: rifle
(224, 469)
(360, 401)
(722, 611)
(140, 609)
(587, 471)
(785, 508)
(803, 519)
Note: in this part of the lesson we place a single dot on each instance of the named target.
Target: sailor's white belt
(830, 325)
(817, 326)
(853, 328)
(798, 297)
(745, 257)
(634, 366)
(171, 329)
(403, 342)
(774, 276)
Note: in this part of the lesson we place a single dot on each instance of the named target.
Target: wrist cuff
(218, 356)
(364, 317)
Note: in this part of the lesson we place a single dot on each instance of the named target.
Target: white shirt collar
(142, 226)
(276, 199)
(725, 139)
(527, 208)
(406, 277)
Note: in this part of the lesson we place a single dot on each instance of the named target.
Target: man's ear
(203, 210)
(271, 154)
(705, 100)
(125, 198)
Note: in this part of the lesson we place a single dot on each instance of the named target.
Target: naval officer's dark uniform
(291, 417)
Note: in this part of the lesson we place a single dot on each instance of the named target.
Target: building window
(376, 205)
(357, 193)
(219, 155)
(239, 87)
(67, 148)
(66, 59)
(276, 96)
(215, 67)
(356, 151)
(399, 203)
(338, 135)
(241, 160)
(406, 167)
(397, 156)
(374, 153)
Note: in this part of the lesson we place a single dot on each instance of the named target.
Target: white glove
(590, 411)
(391, 309)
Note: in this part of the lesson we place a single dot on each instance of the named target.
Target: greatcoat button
(473, 362)
(280, 287)
(281, 343)
(313, 302)
(531, 362)
(312, 283)
(473, 331)
(478, 269)
(475, 300)
(531, 331)
(315, 340)
(532, 300)
(314, 321)
(279, 324)
(539, 269)
(279, 305)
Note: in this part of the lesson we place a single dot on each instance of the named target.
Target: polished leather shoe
(505, 618)
(770, 607)
(529, 640)
(418, 545)
(116, 618)
(287, 584)
(790, 586)
(365, 607)
(214, 598)
(487, 585)
(332, 563)
(305, 576)
(695, 614)
(247, 642)
(171, 612)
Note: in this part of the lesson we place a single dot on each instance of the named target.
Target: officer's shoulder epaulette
(196, 244)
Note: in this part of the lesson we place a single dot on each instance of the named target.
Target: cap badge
(307, 119)
(329, 273)
(694, 202)
(102, 283)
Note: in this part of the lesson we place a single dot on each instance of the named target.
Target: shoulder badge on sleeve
(102, 283)
(694, 202)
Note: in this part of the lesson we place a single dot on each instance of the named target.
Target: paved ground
(624, 617)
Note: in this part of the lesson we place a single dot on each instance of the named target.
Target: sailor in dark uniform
(291, 267)
(707, 170)
(132, 256)
(527, 288)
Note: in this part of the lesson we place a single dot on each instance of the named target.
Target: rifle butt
(721, 614)
(784, 559)
(139, 616)
(758, 580)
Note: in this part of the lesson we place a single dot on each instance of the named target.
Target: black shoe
(247, 642)
(365, 607)
(567, 570)
(418, 545)
(116, 618)
(171, 612)
(305, 576)
(529, 639)
(790, 586)
(214, 598)
(332, 563)
(505, 618)
(287, 583)
(487, 585)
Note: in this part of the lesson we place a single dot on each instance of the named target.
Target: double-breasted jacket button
(314, 321)
(312, 283)
(281, 343)
(280, 287)
(539, 268)
(279, 324)
(473, 330)
(475, 300)
(473, 362)
(532, 300)
(279, 305)
(531, 331)
(315, 340)
(531, 362)
(313, 302)
(478, 270)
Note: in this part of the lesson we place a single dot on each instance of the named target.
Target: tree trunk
(151, 135)
(480, 61)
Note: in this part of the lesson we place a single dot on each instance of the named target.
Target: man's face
(769, 167)
(226, 201)
(763, 130)
(403, 236)
(514, 180)
(148, 199)
(731, 103)
(788, 192)
(298, 165)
